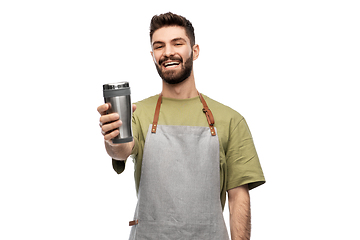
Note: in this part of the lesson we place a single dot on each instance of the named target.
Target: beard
(173, 76)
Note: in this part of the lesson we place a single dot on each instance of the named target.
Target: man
(188, 149)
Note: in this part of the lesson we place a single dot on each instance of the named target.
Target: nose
(169, 51)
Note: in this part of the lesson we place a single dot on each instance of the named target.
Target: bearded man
(188, 149)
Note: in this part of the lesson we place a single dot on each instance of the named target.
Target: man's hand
(109, 124)
(240, 215)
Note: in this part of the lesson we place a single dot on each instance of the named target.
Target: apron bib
(179, 191)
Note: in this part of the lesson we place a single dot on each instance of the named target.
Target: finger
(111, 135)
(111, 126)
(133, 107)
(103, 108)
(109, 118)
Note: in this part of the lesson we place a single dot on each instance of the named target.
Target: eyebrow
(178, 39)
(173, 40)
(157, 42)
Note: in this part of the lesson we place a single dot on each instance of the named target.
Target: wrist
(119, 151)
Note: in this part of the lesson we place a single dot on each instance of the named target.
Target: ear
(153, 57)
(196, 51)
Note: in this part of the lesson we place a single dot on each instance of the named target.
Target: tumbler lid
(114, 86)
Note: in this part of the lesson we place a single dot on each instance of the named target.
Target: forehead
(168, 33)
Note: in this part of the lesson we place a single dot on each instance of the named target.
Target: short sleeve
(118, 166)
(243, 165)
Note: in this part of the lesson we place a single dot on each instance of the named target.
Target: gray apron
(179, 191)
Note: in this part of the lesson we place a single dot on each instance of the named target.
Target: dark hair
(170, 19)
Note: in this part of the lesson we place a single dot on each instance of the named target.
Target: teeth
(171, 63)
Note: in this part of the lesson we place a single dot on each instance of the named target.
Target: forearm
(119, 152)
(240, 216)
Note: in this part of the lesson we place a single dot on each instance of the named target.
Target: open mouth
(171, 64)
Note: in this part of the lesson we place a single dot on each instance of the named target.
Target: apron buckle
(210, 119)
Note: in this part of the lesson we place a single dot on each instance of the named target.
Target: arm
(109, 124)
(240, 215)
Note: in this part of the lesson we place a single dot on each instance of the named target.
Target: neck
(183, 90)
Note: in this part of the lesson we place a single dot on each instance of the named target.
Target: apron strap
(209, 116)
(133, 223)
(206, 110)
(157, 113)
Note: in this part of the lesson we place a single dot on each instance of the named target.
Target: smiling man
(188, 149)
(172, 68)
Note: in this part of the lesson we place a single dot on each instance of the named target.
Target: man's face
(172, 54)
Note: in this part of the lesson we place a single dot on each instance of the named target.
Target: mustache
(175, 58)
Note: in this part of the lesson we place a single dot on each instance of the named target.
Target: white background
(290, 67)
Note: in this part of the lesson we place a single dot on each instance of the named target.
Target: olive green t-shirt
(239, 162)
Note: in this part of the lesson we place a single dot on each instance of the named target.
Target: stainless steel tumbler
(118, 95)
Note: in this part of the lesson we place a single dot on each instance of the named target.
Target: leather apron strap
(157, 113)
(206, 110)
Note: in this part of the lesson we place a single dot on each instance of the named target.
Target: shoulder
(146, 105)
(150, 101)
(145, 108)
(222, 112)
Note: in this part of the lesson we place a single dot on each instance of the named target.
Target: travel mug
(118, 95)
